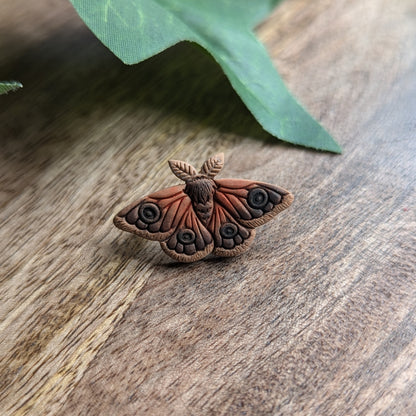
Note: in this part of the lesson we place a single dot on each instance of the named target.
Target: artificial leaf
(7, 86)
(134, 30)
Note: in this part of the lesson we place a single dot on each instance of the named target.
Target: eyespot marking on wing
(190, 241)
(156, 216)
(230, 237)
(251, 203)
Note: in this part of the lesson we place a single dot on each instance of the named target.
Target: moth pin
(204, 215)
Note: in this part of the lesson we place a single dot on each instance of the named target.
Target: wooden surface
(317, 318)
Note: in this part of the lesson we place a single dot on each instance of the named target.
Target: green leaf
(7, 86)
(135, 30)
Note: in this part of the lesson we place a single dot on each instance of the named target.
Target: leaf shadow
(71, 75)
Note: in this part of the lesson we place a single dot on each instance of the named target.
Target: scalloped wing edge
(186, 258)
(237, 250)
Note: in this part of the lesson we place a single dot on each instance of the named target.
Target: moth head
(200, 189)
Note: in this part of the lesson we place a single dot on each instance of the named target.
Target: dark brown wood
(317, 318)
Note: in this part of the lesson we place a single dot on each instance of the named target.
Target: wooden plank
(317, 318)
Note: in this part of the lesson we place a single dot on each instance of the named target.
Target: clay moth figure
(204, 215)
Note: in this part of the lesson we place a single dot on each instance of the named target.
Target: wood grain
(317, 318)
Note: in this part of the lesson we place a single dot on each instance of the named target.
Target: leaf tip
(8, 86)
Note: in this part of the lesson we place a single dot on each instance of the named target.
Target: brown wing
(163, 216)
(155, 216)
(190, 241)
(230, 237)
(251, 203)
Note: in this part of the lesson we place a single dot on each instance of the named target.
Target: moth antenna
(182, 170)
(213, 165)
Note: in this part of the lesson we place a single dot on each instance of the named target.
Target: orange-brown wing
(155, 216)
(230, 237)
(165, 216)
(251, 203)
(190, 241)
